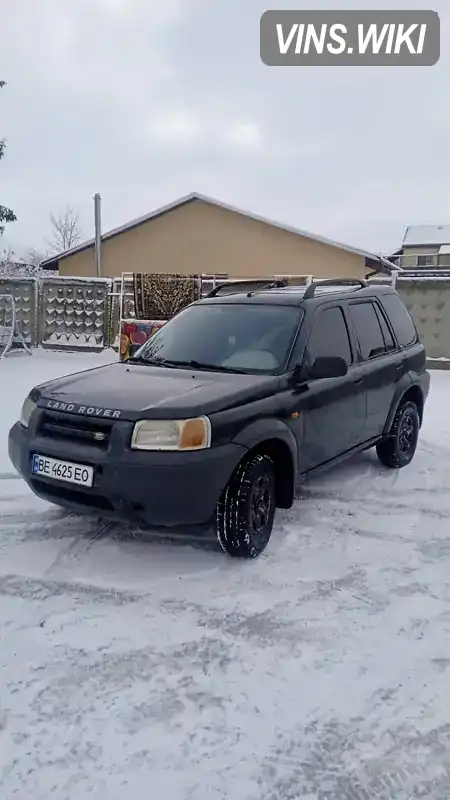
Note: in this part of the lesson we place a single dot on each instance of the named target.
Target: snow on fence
(83, 313)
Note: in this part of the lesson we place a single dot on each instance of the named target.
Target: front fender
(268, 428)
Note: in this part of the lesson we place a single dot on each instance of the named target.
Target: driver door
(334, 409)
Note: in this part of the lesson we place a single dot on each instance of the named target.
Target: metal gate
(25, 294)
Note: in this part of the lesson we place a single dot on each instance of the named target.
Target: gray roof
(423, 235)
(195, 196)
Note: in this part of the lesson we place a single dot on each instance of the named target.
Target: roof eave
(381, 264)
(420, 244)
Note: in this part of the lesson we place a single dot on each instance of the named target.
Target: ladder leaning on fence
(11, 336)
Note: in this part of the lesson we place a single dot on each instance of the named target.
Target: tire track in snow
(40, 589)
(327, 760)
(79, 547)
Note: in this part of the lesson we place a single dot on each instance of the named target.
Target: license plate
(80, 474)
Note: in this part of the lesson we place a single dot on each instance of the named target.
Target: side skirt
(361, 448)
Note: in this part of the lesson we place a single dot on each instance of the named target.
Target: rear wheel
(397, 449)
(246, 512)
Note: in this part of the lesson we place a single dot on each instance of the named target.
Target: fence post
(37, 312)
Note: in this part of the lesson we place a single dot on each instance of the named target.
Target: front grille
(93, 432)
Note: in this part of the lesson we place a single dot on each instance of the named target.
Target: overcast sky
(148, 100)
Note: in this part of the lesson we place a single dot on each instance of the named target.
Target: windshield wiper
(206, 367)
(152, 362)
(159, 361)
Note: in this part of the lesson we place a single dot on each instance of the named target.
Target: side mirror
(328, 367)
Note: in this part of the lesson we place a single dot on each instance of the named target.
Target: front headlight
(161, 434)
(27, 410)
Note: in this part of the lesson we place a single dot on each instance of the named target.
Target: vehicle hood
(131, 391)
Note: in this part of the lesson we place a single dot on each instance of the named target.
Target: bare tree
(9, 265)
(66, 232)
(33, 257)
(7, 257)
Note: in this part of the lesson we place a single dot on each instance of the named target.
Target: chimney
(98, 233)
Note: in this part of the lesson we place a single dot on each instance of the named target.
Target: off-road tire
(237, 516)
(393, 451)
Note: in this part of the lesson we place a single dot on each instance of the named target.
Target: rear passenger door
(334, 408)
(380, 358)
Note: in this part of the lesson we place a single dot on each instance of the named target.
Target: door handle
(358, 381)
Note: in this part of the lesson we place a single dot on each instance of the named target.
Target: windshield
(229, 337)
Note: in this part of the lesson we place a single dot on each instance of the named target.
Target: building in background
(425, 247)
(199, 235)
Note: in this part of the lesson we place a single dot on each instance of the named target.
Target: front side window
(248, 338)
(329, 337)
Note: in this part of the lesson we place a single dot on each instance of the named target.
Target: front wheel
(398, 448)
(246, 512)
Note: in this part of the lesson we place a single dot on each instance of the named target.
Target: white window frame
(429, 259)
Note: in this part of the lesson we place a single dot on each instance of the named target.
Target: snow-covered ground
(135, 669)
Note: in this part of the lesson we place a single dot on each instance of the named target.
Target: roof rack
(311, 289)
(243, 285)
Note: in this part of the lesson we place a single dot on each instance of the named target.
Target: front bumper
(156, 489)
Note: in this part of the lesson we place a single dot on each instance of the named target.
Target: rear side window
(329, 336)
(368, 329)
(401, 321)
(387, 335)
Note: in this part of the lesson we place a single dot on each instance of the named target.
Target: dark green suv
(223, 411)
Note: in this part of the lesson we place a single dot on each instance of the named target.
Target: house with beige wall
(198, 235)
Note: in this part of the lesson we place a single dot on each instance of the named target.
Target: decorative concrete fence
(428, 301)
(61, 313)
